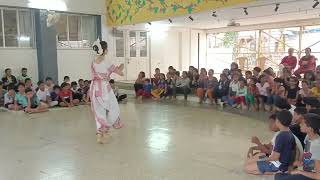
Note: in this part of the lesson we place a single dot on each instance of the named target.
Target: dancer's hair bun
(99, 47)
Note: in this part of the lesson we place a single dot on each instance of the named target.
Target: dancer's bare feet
(100, 138)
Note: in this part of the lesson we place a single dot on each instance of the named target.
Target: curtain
(89, 31)
(26, 36)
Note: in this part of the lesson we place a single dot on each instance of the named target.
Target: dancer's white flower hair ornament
(97, 47)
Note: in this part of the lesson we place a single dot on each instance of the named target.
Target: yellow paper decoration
(125, 12)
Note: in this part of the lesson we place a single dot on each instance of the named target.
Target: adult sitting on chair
(289, 61)
(306, 63)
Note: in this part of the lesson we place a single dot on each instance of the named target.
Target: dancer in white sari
(103, 101)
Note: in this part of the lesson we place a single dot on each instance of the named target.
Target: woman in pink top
(306, 63)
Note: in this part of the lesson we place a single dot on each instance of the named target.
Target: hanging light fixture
(277, 7)
(245, 11)
(214, 14)
(316, 3)
(191, 18)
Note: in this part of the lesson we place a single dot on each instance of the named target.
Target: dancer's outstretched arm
(119, 70)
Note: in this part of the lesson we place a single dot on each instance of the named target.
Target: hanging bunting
(125, 12)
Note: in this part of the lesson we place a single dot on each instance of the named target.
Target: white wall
(170, 48)
(74, 63)
(17, 59)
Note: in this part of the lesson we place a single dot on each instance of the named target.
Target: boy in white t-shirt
(233, 89)
(43, 95)
(264, 91)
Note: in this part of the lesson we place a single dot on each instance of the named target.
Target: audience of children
(295, 102)
(15, 93)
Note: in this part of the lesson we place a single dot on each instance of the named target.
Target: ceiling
(259, 12)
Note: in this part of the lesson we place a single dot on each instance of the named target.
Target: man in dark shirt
(283, 152)
(295, 127)
(8, 79)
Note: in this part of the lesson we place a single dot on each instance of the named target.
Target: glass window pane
(89, 31)
(26, 29)
(10, 28)
(310, 38)
(276, 42)
(1, 34)
(62, 33)
(133, 44)
(117, 33)
(220, 50)
(120, 47)
(143, 44)
(74, 28)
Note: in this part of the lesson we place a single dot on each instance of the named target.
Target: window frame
(127, 46)
(18, 27)
(81, 31)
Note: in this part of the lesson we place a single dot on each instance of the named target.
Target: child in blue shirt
(146, 91)
(33, 103)
(283, 153)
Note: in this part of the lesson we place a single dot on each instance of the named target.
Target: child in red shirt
(65, 96)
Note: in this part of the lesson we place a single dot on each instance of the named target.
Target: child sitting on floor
(315, 91)
(66, 97)
(20, 97)
(44, 95)
(241, 95)
(66, 79)
(76, 91)
(28, 84)
(283, 153)
(33, 104)
(146, 91)
(263, 149)
(54, 95)
(292, 90)
(212, 84)
(9, 98)
(298, 114)
(161, 90)
(253, 94)
(277, 91)
(311, 159)
(248, 76)
(49, 84)
(264, 91)
(202, 85)
(233, 89)
(222, 90)
(2, 93)
(156, 79)
(116, 91)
